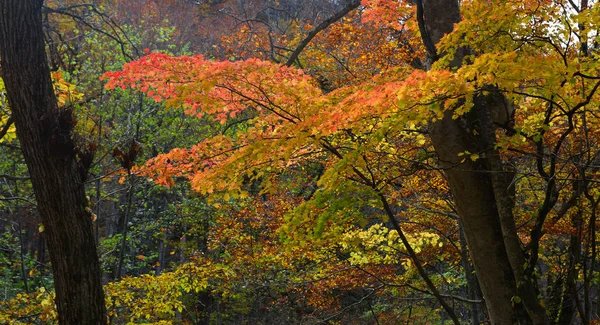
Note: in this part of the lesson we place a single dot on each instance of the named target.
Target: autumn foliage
(316, 193)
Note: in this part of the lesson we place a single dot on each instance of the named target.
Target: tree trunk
(44, 131)
(480, 188)
(473, 290)
(472, 193)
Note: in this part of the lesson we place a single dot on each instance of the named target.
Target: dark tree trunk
(481, 188)
(473, 289)
(470, 184)
(471, 190)
(44, 131)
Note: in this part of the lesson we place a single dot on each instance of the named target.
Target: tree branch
(427, 41)
(353, 4)
(14, 178)
(4, 130)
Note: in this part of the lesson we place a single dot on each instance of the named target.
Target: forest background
(318, 162)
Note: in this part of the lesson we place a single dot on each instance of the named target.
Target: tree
(482, 188)
(483, 201)
(56, 167)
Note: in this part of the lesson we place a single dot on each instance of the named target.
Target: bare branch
(14, 178)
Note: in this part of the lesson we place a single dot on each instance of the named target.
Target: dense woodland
(299, 162)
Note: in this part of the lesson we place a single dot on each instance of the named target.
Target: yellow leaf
(41, 228)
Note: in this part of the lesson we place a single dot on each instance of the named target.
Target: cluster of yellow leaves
(64, 90)
(145, 298)
(148, 299)
(382, 245)
(29, 308)
(5, 115)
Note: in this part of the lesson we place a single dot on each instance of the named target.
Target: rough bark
(473, 290)
(480, 189)
(44, 131)
(501, 178)
(471, 189)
